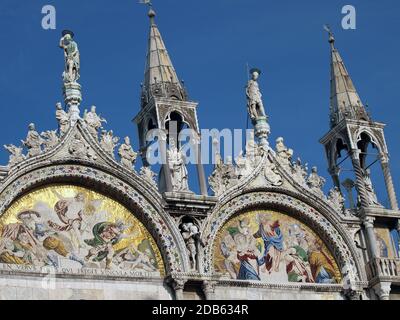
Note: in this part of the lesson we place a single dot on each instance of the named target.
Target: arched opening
(371, 170)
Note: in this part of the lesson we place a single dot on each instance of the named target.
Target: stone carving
(16, 154)
(128, 156)
(63, 119)
(224, 176)
(336, 199)
(108, 142)
(93, 121)
(50, 139)
(80, 149)
(148, 175)
(253, 152)
(315, 182)
(243, 167)
(191, 235)
(177, 167)
(371, 195)
(284, 154)
(272, 175)
(245, 164)
(33, 142)
(299, 172)
(255, 104)
(72, 57)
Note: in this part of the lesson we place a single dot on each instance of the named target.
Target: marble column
(165, 162)
(200, 169)
(382, 290)
(334, 172)
(209, 289)
(389, 182)
(371, 238)
(355, 158)
(178, 286)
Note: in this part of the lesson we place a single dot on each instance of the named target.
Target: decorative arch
(124, 191)
(374, 139)
(332, 234)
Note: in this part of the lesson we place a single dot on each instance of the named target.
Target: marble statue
(127, 155)
(371, 195)
(16, 154)
(50, 139)
(315, 182)
(72, 57)
(284, 154)
(33, 141)
(255, 104)
(300, 172)
(63, 119)
(272, 175)
(336, 199)
(108, 141)
(191, 235)
(177, 167)
(93, 121)
(147, 174)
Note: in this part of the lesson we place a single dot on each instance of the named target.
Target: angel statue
(255, 104)
(16, 155)
(72, 57)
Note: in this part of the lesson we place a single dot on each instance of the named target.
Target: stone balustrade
(383, 267)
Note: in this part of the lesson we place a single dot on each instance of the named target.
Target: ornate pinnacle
(71, 88)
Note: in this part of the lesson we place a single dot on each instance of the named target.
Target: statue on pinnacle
(255, 104)
(72, 57)
(255, 108)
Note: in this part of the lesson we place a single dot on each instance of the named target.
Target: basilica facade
(80, 220)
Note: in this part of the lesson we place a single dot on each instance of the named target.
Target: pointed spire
(160, 76)
(345, 101)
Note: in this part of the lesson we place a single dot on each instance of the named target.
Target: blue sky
(210, 42)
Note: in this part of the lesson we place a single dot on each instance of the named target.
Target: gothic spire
(345, 101)
(160, 77)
